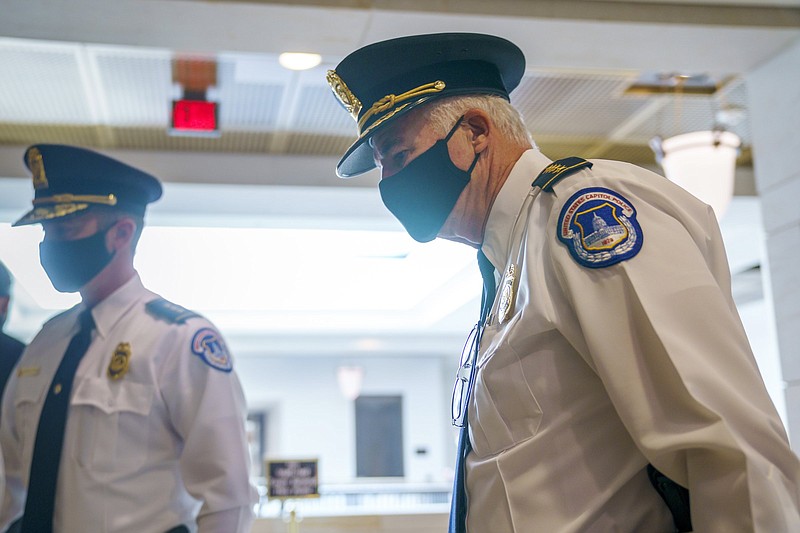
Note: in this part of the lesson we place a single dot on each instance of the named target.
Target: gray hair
(442, 114)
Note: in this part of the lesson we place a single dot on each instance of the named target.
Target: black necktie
(458, 506)
(39, 506)
(489, 288)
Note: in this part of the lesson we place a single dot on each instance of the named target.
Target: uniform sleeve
(13, 492)
(207, 408)
(2, 481)
(662, 333)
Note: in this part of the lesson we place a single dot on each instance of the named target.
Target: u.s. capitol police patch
(207, 344)
(599, 227)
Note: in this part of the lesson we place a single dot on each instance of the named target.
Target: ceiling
(86, 73)
(118, 97)
(98, 74)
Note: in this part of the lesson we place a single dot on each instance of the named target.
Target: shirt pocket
(504, 410)
(112, 420)
(27, 408)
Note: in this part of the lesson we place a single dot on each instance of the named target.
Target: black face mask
(423, 193)
(72, 264)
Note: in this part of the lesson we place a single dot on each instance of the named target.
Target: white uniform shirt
(143, 453)
(598, 371)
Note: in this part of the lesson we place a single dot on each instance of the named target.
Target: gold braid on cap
(61, 205)
(108, 199)
(56, 211)
(390, 100)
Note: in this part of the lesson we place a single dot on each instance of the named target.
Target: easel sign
(292, 478)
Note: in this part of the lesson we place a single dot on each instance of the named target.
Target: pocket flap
(30, 389)
(113, 397)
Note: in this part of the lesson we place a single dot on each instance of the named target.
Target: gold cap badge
(118, 366)
(36, 164)
(344, 94)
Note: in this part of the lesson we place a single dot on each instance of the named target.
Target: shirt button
(57, 388)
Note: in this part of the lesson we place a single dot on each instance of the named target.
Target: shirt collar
(497, 237)
(108, 312)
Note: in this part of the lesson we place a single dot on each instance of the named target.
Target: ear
(121, 235)
(480, 126)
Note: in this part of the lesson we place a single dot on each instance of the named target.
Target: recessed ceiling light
(677, 83)
(299, 60)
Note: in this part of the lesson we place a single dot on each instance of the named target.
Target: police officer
(125, 413)
(10, 348)
(611, 354)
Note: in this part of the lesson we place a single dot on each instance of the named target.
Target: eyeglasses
(462, 388)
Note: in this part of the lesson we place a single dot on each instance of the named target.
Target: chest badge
(508, 293)
(120, 361)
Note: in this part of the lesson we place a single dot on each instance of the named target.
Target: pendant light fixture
(702, 162)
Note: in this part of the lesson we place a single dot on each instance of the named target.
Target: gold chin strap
(109, 199)
(390, 100)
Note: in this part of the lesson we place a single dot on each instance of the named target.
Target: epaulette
(558, 170)
(166, 310)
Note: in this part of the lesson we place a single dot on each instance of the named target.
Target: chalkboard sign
(292, 478)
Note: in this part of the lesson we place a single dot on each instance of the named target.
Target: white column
(774, 102)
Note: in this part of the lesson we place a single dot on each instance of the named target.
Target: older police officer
(611, 361)
(125, 414)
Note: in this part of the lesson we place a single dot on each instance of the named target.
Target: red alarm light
(194, 116)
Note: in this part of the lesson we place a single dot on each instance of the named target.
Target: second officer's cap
(70, 179)
(382, 81)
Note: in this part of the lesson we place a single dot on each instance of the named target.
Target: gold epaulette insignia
(555, 168)
(558, 170)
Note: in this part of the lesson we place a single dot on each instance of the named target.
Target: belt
(15, 528)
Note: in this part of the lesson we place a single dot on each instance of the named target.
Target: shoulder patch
(599, 228)
(558, 170)
(166, 310)
(209, 346)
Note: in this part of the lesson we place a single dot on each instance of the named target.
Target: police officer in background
(125, 414)
(611, 370)
(10, 348)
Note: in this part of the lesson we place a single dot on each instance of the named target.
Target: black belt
(17, 525)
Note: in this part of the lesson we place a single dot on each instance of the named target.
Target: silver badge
(508, 293)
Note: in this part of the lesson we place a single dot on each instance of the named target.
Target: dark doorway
(379, 436)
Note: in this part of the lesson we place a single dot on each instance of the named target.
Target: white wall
(310, 418)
